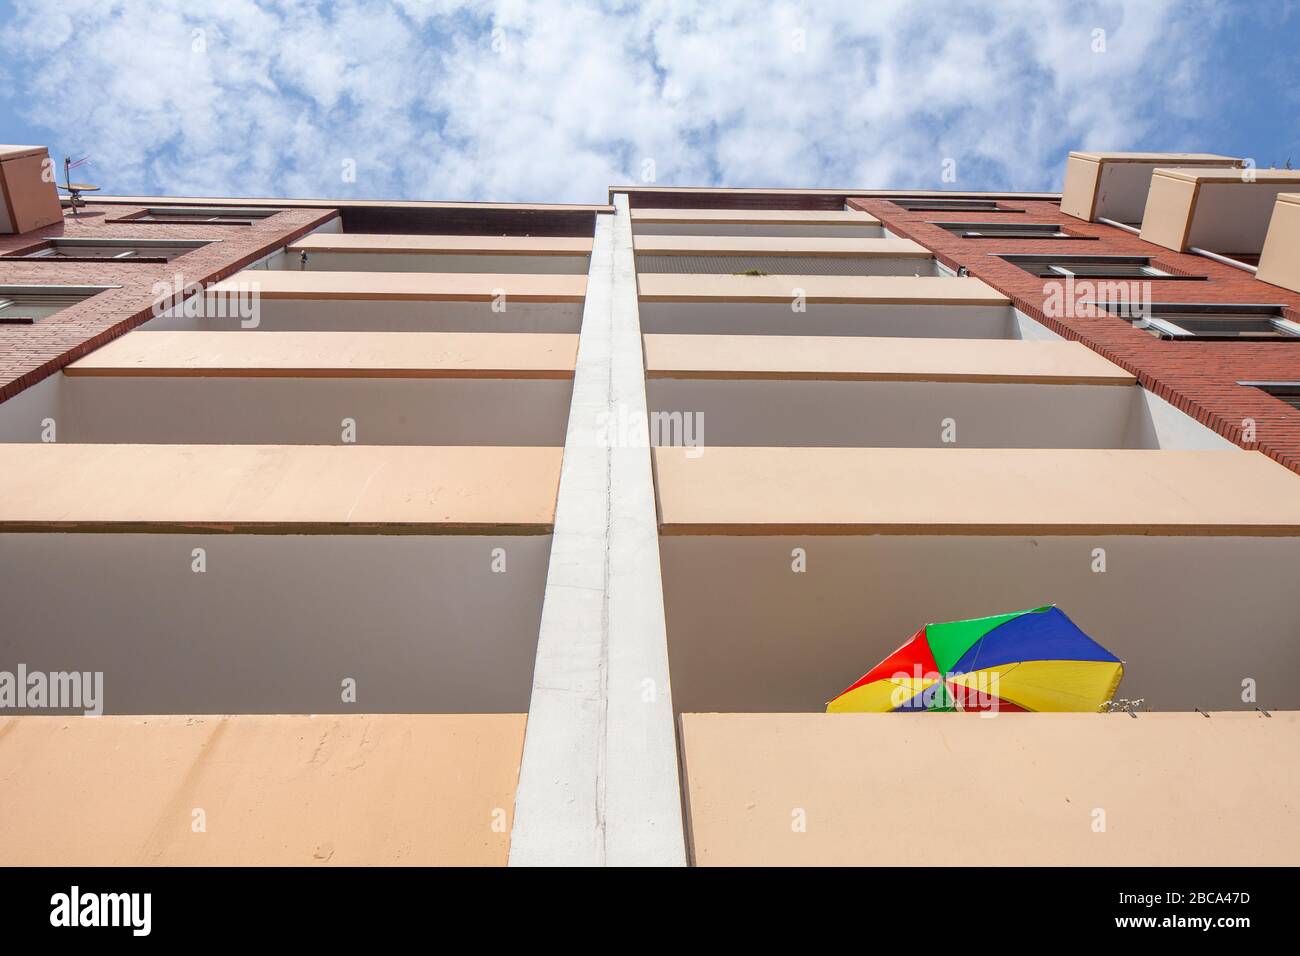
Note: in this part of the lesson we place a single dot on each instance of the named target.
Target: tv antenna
(75, 190)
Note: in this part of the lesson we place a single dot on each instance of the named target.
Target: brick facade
(1199, 377)
(29, 353)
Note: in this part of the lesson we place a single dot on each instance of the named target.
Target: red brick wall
(28, 353)
(1200, 378)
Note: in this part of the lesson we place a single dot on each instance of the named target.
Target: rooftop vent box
(29, 198)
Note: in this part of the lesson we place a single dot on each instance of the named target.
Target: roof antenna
(75, 190)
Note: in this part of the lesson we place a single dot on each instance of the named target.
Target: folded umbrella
(1035, 660)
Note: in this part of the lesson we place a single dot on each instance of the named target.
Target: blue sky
(553, 100)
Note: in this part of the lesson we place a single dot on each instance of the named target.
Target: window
(206, 215)
(28, 304)
(938, 205)
(1211, 321)
(138, 250)
(1006, 230)
(1288, 392)
(1093, 267)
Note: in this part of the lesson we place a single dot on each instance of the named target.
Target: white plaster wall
(310, 410)
(370, 315)
(426, 262)
(1234, 217)
(922, 321)
(740, 229)
(902, 414)
(1191, 617)
(1122, 191)
(278, 621)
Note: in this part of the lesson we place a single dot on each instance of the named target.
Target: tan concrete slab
(986, 491)
(1170, 159)
(353, 203)
(364, 790)
(885, 290)
(11, 151)
(449, 245)
(779, 246)
(280, 489)
(1170, 206)
(420, 286)
(857, 358)
(244, 353)
(1279, 263)
(1229, 174)
(807, 217)
(1018, 789)
(649, 193)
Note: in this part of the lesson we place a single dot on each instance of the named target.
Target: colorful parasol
(1036, 660)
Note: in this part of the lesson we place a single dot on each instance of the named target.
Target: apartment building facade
(472, 533)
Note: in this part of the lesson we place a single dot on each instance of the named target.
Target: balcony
(730, 255)
(809, 223)
(893, 538)
(352, 790)
(787, 391)
(245, 578)
(1224, 211)
(386, 253)
(251, 386)
(292, 301)
(1114, 186)
(909, 306)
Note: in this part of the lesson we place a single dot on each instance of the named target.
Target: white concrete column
(598, 784)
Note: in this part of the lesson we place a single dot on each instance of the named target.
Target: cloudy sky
(553, 100)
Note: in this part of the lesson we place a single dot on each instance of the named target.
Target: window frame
(940, 204)
(1168, 329)
(1005, 230)
(1038, 264)
(13, 294)
(1286, 392)
(134, 250)
(205, 215)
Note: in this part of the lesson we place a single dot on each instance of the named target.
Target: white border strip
(598, 784)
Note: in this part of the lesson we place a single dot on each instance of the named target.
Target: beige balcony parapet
(405, 286)
(743, 217)
(874, 290)
(406, 204)
(242, 354)
(856, 358)
(978, 491)
(779, 246)
(666, 195)
(444, 245)
(279, 489)
(1114, 185)
(1018, 789)
(1279, 263)
(279, 790)
(1222, 210)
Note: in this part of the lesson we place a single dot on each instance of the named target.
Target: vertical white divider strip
(598, 784)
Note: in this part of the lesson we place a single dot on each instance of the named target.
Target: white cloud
(556, 100)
